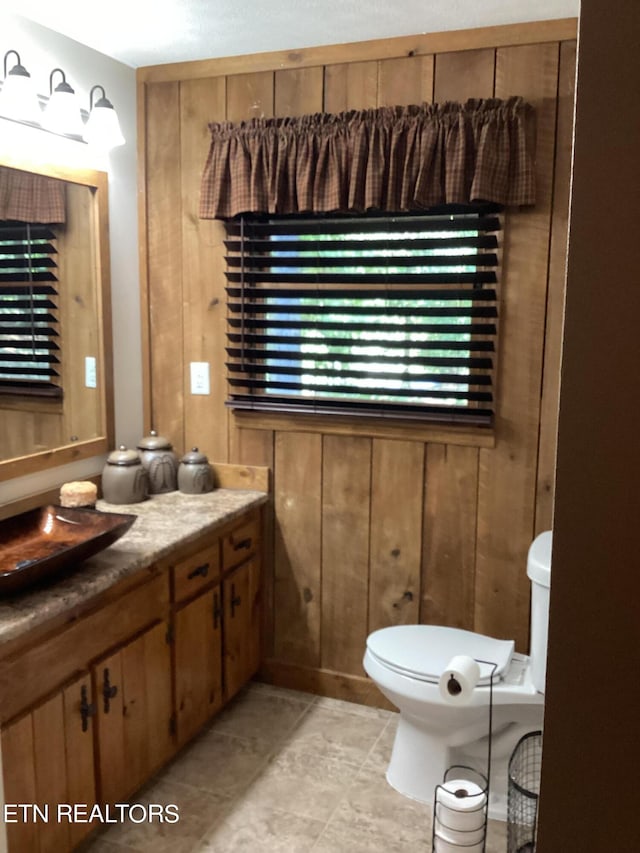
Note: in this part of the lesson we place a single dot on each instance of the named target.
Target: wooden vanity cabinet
(48, 759)
(241, 594)
(241, 599)
(198, 662)
(158, 658)
(216, 631)
(133, 698)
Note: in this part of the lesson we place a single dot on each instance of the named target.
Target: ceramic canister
(160, 462)
(194, 473)
(124, 479)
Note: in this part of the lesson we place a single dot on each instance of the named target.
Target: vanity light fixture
(102, 128)
(20, 102)
(18, 97)
(62, 113)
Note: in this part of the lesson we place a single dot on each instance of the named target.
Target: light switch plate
(200, 377)
(90, 375)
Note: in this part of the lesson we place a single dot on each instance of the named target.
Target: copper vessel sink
(43, 542)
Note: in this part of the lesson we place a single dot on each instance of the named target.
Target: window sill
(31, 403)
(368, 427)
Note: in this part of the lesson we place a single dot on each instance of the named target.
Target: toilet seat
(424, 651)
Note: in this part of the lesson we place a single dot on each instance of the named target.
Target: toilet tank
(539, 572)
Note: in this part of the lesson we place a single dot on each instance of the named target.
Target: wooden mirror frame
(98, 182)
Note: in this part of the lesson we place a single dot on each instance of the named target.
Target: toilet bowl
(407, 662)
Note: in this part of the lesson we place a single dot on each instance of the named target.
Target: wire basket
(523, 793)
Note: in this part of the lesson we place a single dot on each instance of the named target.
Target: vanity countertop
(163, 523)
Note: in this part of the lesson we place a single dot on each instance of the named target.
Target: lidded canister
(160, 462)
(124, 478)
(195, 476)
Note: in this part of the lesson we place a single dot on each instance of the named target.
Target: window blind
(388, 316)
(28, 310)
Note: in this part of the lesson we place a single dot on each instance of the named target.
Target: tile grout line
(249, 782)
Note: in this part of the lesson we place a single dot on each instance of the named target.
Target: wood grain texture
(136, 707)
(464, 74)
(395, 542)
(325, 682)
(27, 677)
(112, 766)
(165, 260)
(79, 301)
(408, 80)
(346, 499)
(51, 772)
(80, 765)
(297, 597)
(240, 594)
(154, 733)
(256, 447)
(241, 477)
(18, 767)
(298, 91)
(369, 427)
(198, 661)
(250, 446)
(250, 96)
(478, 516)
(350, 86)
(507, 485)
(421, 44)
(205, 415)
(556, 290)
(448, 561)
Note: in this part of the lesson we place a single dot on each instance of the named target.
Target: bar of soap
(78, 493)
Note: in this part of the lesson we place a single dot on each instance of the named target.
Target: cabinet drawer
(195, 572)
(31, 675)
(241, 542)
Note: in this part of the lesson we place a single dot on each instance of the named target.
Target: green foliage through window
(386, 316)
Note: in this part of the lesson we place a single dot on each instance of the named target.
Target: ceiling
(152, 32)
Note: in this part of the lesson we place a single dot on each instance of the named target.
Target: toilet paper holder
(461, 801)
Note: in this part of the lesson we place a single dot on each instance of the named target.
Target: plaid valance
(388, 159)
(27, 197)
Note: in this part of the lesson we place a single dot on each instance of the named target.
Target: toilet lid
(424, 651)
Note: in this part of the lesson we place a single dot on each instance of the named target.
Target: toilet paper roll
(442, 846)
(462, 837)
(460, 806)
(459, 679)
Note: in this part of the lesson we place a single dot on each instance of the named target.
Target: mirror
(39, 431)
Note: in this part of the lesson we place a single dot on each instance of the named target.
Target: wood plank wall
(371, 525)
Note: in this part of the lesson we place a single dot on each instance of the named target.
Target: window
(388, 316)
(28, 310)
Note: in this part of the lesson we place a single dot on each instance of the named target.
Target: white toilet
(407, 662)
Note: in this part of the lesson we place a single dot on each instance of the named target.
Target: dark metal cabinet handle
(87, 709)
(235, 600)
(108, 691)
(200, 571)
(243, 543)
(217, 610)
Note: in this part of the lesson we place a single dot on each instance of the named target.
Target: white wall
(41, 50)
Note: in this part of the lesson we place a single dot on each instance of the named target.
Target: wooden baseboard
(324, 682)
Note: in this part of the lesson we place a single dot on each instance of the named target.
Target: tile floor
(280, 770)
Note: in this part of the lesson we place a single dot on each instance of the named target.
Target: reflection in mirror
(55, 330)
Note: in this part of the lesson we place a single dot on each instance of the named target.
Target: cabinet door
(48, 760)
(198, 662)
(241, 595)
(133, 697)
